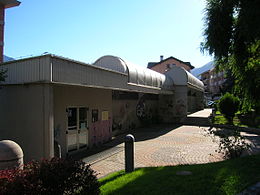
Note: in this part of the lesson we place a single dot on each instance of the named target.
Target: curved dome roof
(181, 77)
(136, 74)
(112, 63)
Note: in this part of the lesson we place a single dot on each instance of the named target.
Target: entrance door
(77, 130)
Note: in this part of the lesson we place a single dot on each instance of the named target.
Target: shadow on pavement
(146, 133)
(140, 134)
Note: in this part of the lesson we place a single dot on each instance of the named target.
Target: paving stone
(164, 146)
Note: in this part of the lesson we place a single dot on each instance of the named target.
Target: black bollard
(129, 153)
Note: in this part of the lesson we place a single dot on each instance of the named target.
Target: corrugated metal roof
(182, 77)
(136, 74)
(112, 63)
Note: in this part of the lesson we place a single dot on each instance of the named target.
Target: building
(165, 65)
(213, 82)
(50, 98)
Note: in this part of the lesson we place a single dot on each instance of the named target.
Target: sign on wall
(104, 115)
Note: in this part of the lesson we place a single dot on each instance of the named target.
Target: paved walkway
(161, 146)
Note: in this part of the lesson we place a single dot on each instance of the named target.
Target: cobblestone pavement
(162, 146)
(182, 145)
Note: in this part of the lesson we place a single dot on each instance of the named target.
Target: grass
(226, 177)
(220, 119)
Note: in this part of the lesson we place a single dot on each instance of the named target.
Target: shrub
(228, 105)
(55, 176)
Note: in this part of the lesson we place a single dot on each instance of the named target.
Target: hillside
(197, 71)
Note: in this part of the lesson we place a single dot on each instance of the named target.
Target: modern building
(50, 98)
(213, 82)
(165, 65)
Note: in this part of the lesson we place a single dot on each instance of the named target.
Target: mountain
(7, 59)
(197, 71)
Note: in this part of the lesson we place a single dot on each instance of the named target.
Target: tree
(232, 36)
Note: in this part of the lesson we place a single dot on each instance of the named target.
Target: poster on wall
(104, 115)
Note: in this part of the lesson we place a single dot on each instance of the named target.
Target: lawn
(226, 177)
(220, 119)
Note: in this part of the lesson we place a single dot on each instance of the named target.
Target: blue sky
(135, 30)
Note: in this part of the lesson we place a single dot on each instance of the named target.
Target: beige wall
(173, 108)
(67, 96)
(124, 115)
(26, 117)
(162, 67)
(166, 111)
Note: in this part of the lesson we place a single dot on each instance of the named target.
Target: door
(77, 130)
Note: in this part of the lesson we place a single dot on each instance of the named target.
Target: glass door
(83, 127)
(77, 131)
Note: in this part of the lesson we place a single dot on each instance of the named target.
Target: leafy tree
(232, 36)
(228, 84)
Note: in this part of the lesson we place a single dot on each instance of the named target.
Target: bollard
(129, 153)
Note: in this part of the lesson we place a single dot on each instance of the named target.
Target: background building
(212, 79)
(165, 65)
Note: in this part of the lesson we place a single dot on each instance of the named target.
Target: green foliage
(226, 177)
(232, 36)
(228, 105)
(55, 176)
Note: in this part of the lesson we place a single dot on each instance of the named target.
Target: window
(83, 118)
(94, 115)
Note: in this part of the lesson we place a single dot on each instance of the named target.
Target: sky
(138, 31)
